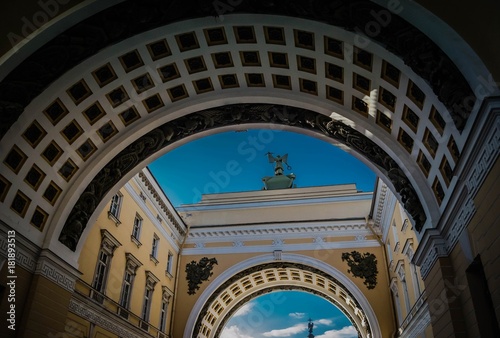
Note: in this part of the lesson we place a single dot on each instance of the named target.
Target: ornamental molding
(315, 246)
(432, 247)
(102, 319)
(263, 231)
(56, 270)
(26, 252)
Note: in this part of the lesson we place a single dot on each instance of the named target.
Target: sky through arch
(286, 314)
(237, 161)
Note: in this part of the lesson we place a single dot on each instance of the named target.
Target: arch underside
(424, 71)
(277, 276)
(129, 18)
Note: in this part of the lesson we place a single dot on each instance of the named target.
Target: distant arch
(255, 276)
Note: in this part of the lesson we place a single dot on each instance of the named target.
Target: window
(154, 246)
(114, 209)
(163, 315)
(151, 281)
(154, 249)
(170, 263)
(136, 230)
(101, 271)
(126, 289)
(108, 246)
(165, 300)
(146, 305)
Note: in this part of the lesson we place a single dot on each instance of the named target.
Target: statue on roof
(279, 180)
(279, 160)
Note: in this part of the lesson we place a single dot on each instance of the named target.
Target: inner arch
(262, 274)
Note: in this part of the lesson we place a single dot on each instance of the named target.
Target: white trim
(314, 246)
(266, 204)
(286, 257)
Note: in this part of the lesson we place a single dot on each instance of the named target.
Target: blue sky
(286, 314)
(237, 161)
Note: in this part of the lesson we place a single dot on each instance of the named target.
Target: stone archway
(72, 102)
(70, 128)
(263, 274)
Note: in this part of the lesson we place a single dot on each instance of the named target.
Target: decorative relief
(362, 266)
(278, 242)
(199, 245)
(198, 272)
(238, 244)
(188, 125)
(319, 239)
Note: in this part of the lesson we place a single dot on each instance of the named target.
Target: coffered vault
(124, 106)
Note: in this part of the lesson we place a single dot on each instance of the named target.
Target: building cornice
(264, 230)
(159, 198)
(275, 203)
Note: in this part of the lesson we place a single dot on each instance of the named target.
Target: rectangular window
(154, 247)
(101, 273)
(126, 289)
(136, 231)
(147, 304)
(169, 263)
(163, 315)
(116, 202)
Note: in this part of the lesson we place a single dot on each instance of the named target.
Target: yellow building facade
(129, 266)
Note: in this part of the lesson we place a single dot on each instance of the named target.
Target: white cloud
(324, 321)
(345, 332)
(297, 315)
(245, 309)
(286, 332)
(233, 332)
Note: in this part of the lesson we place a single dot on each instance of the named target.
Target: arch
(425, 188)
(325, 281)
